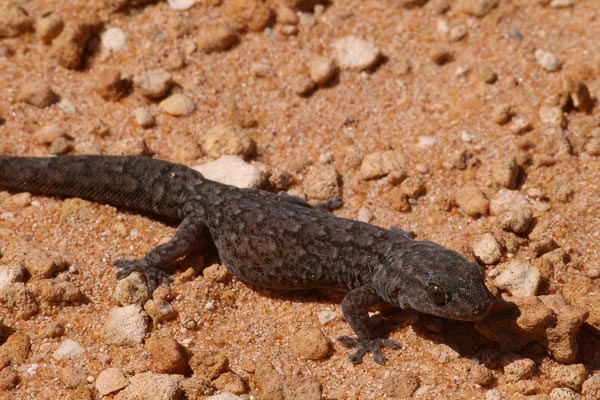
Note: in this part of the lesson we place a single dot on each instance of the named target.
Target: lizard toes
(358, 355)
(390, 344)
(348, 341)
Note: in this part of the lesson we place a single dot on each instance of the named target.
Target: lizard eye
(437, 294)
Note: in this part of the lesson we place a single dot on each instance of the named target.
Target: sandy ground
(431, 112)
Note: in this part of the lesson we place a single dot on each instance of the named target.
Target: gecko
(269, 240)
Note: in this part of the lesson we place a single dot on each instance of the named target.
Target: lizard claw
(372, 345)
(154, 276)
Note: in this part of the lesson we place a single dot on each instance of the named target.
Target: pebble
(72, 377)
(310, 343)
(209, 364)
(216, 273)
(441, 56)
(229, 382)
(37, 93)
(215, 38)
(178, 105)
(233, 170)
(149, 385)
(49, 133)
(11, 273)
(516, 220)
(13, 20)
(167, 355)
(227, 139)
(478, 8)
(131, 290)
(125, 325)
(487, 249)
(15, 350)
(591, 387)
(68, 47)
(50, 291)
(487, 75)
(401, 385)
(286, 15)
(130, 147)
(68, 349)
(19, 300)
(562, 3)
(48, 27)
(322, 182)
(254, 15)
(520, 369)
(365, 215)
(51, 329)
(443, 353)
(321, 69)
(493, 394)
(111, 86)
(306, 388)
(481, 375)
(379, 164)
(519, 126)
(471, 200)
(113, 39)
(326, 316)
(225, 396)
(547, 60)
(569, 376)
(354, 53)
(564, 394)
(519, 278)
(579, 93)
(552, 115)
(38, 262)
(505, 174)
(154, 83)
(502, 114)
(143, 117)
(180, 5)
(110, 380)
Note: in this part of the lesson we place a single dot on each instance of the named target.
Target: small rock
(18, 300)
(232, 170)
(131, 290)
(110, 380)
(408, 3)
(160, 311)
(286, 15)
(226, 139)
(180, 5)
(68, 349)
(591, 388)
(516, 220)
(37, 261)
(37, 93)
(167, 355)
(154, 83)
(209, 364)
(479, 8)
(48, 27)
(50, 329)
(178, 105)
(570, 376)
(326, 316)
(561, 3)
(506, 200)
(15, 350)
(230, 382)
(579, 94)
(14, 21)
(441, 56)
(547, 60)
(111, 86)
(564, 394)
(50, 291)
(131, 147)
(321, 69)
(365, 215)
(149, 385)
(216, 273)
(487, 75)
(254, 15)
(143, 117)
(225, 396)
(72, 377)
(49, 133)
(519, 126)
(487, 249)
(11, 273)
(519, 278)
(502, 114)
(443, 353)
(412, 187)
(310, 343)
(322, 182)
(380, 164)
(215, 38)
(401, 385)
(125, 325)
(471, 200)
(306, 388)
(69, 45)
(520, 369)
(354, 53)
(9, 379)
(481, 375)
(113, 39)
(506, 174)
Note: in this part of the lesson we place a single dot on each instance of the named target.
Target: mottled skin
(269, 240)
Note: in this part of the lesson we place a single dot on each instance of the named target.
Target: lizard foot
(154, 276)
(363, 347)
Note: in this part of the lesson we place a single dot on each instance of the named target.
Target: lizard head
(434, 280)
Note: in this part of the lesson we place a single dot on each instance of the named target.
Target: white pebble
(68, 349)
(365, 215)
(519, 278)
(233, 170)
(427, 141)
(547, 60)
(113, 39)
(355, 53)
(181, 4)
(326, 316)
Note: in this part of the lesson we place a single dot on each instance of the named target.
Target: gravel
(178, 105)
(355, 53)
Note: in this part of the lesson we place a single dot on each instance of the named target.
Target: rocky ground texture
(473, 123)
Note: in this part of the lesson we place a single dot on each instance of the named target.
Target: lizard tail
(139, 183)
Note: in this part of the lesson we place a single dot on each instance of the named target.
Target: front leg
(180, 245)
(355, 307)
